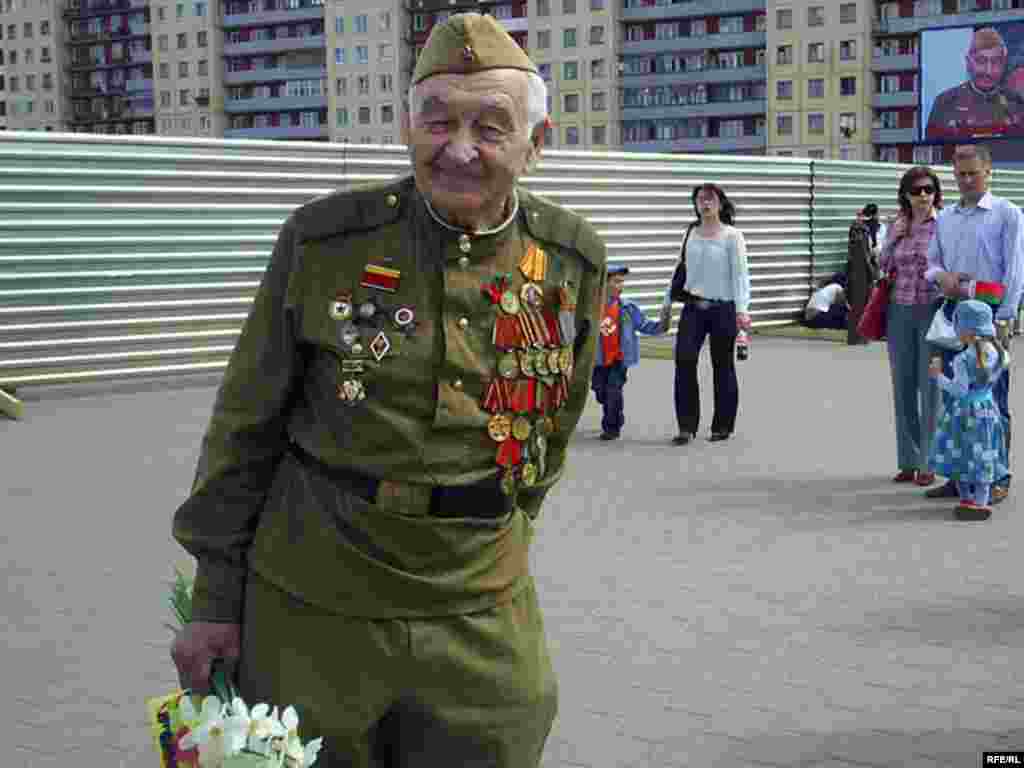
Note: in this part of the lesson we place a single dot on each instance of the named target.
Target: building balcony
(125, 115)
(274, 74)
(102, 8)
(735, 75)
(898, 99)
(682, 44)
(716, 109)
(275, 104)
(520, 24)
(129, 60)
(272, 18)
(910, 24)
(905, 63)
(894, 135)
(709, 145)
(695, 8)
(255, 47)
(113, 35)
(278, 132)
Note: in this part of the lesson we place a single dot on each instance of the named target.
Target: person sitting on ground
(618, 350)
(827, 307)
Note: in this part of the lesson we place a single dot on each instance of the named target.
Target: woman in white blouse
(718, 297)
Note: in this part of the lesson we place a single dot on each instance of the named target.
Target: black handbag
(677, 291)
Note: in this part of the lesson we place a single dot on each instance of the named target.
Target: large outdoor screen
(972, 83)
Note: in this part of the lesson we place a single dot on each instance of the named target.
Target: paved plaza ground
(772, 600)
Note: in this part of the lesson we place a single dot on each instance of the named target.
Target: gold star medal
(499, 427)
(534, 264)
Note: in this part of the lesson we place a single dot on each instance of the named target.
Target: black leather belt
(483, 499)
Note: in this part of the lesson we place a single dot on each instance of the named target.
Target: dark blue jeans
(607, 383)
(719, 322)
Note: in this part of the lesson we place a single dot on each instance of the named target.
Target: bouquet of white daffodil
(224, 732)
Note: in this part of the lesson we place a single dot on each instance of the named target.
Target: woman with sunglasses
(912, 305)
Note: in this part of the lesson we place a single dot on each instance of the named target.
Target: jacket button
(463, 323)
(457, 383)
(464, 261)
(391, 200)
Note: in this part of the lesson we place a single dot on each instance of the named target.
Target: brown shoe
(925, 478)
(905, 476)
(999, 493)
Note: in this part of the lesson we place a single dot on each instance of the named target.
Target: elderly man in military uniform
(982, 105)
(398, 405)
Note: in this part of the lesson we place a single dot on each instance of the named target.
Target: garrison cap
(617, 269)
(467, 43)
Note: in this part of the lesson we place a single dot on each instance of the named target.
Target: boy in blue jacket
(619, 350)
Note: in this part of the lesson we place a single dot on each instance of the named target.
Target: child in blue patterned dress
(968, 445)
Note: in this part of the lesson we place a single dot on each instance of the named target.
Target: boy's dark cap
(618, 269)
(870, 210)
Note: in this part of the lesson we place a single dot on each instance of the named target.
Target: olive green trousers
(473, 691)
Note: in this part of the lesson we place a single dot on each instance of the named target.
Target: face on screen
(986, 67)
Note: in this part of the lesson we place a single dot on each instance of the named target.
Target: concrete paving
(772, 600)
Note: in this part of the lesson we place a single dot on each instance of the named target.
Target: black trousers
(835, 318)
(607, 383)
(717, 320)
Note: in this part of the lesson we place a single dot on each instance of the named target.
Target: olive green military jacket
(382, 342)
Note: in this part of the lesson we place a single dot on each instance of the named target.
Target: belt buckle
(404, 498)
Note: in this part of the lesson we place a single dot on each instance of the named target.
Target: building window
(848, 13)
(816, 122)
(339, 25)
(165, 98)
(419, 23)
(387, 114)
(28, 29)
(570, 70)
(544, 70)
(204, 67)
(815, 53)
(848, 50)
(361, 24)
(572, 136)
(543, 7)
(199, 9)
(30, 83)
(599, 134)
(29, 56)
(204, 123)
(544, 39)
(165, 70)
(341, 86)
(784, 125)
(363, 85)
(784, 89)
(730, 25)
(816, 154)
(161, 42)
(597, 35)
(339, 55)
(342, 117)
(597, 5)
(182, 69)
(183, 97)
(816, 16)
(47, 81)
(571, 102)
(598, 101)
(44, 28)
(784, 18)
(364, 115)
(816, 88)
(847, 86)
(12, 32)
(182, 41)
(362, 54)
(568, 6)
(12, 58)
(161, 13)
(44, 55)
(12, 84)
(386, 83)
(698, 28)
(784, 55)
(848, 124)
(385, 52)
(201, 38)
(569, 37)
(597, 69)
(384, 21)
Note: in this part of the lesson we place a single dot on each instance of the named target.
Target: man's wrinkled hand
(949, 284)
(197, 645)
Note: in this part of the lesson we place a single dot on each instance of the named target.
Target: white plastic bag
(940, 332)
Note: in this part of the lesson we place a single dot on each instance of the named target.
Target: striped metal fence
(127, 256)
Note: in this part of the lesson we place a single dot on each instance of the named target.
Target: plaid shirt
(906, 260)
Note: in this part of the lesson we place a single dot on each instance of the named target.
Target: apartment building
(693, 76)
(819, 86)
(275, 74)
(31, 43)
(3, 92)
(895, 67)
(186, 67)
(367, 70)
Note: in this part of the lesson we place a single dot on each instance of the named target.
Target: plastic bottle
(742, 345)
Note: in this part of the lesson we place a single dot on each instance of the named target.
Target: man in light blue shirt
(981, 238)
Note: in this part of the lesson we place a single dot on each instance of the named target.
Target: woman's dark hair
(910, 178)
(727, 212)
